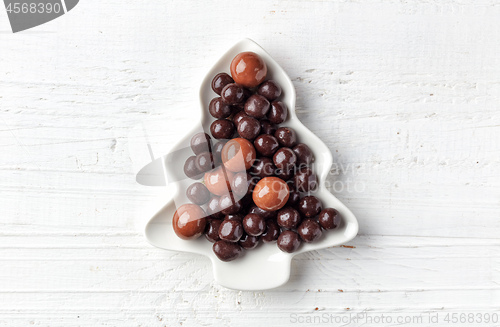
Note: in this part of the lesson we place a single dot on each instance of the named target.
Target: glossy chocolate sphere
(303, 153)
(278, 112)
(198, 193)
(213, 208)
(212, 230)
(288, 241)
(233, 94)
(189, 221)
(201, 142)
(218, 181)
(257, 106)
(190, 168)
(270, 193)
(286, 136)
(226, 251)
(218, 109)
(229, 205)
(248, 128)
(249, 242)
(310, 206)
(284, 159)
(248, 69)
(254, 224)
(272, 232)
(329, 218)
(205, 162)
(288, 218)
(238, 155)
(222, 129)
(309, 230)
(219, 81)
(270, 90)
(266, 145)
(230, 230)
(242, 184)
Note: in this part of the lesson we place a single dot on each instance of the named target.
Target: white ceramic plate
(266, 266)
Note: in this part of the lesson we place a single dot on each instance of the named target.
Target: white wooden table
(405, 94)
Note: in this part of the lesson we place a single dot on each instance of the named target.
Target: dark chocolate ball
(309, 230)
(248, 128)
(270, 90)
(254, 224)
(249, 242)
(213, 208)
(190, 168)
(226, 251)
(242, 183)
(329, 218)
(230, 230)
(233, 94)
(212, 230)
(284, 159)
(219, 81)
(288, 241)
(229, 205)
(257, 106)
(201, 142)
(218, 109)
(222, 129)
(305, 180)
(266, 145)
(310, 206)
(278, 112)
(205, 162)
(288, 218)
(286, 136)
(303, 153)
(198, 193)
(272, 232)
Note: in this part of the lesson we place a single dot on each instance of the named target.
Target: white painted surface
(405, 94)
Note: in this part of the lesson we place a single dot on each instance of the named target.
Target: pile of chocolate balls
(254, 177)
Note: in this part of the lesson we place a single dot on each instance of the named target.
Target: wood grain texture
(405, 93)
